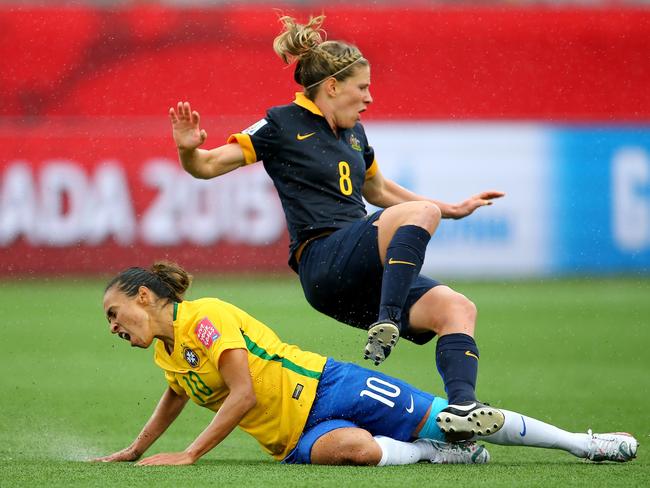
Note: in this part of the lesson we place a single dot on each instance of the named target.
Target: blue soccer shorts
(351, 396)
(341, 276)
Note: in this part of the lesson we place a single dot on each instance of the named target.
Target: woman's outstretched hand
(185, 127)
(467, 207)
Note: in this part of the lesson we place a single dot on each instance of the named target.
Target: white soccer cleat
(465, 420)
(453, 453)
(382, 337)
(613, 446)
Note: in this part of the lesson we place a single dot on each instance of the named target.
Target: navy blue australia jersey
(318, 175)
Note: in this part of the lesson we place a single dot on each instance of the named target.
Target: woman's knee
(362, 454)
(461, 316)
(424, 214)
(444, 311)
(346, 446)
(466, 307)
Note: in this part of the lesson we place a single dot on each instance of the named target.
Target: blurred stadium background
(548, 102)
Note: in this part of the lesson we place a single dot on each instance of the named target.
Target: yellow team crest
(355, 143)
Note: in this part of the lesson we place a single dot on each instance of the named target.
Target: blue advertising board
(600, 199)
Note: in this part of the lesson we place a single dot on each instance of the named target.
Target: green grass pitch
(572, 352)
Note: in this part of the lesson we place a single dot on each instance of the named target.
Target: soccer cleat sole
(382, 337)
(481, 421)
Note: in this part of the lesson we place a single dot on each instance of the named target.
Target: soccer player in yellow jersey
(300, 406)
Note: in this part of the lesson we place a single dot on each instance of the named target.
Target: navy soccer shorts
(351, 396)
(341, 276)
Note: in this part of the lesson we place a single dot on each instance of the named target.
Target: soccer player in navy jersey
(363, 270)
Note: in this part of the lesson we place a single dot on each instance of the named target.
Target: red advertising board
(87, 197)
(428, 62)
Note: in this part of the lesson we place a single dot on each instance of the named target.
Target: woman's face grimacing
(352, 96)
(127, 316)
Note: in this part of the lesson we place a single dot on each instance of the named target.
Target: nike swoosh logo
(471, 354)
(523, 432)
(302, 137)
(411, 407)
(465, 408)
(395, 261)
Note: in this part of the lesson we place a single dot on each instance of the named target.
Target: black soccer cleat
(463, 421)
(382, 337)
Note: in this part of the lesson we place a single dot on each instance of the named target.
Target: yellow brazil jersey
(284, 377)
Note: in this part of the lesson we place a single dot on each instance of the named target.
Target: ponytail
(316, 58)
(167, 280)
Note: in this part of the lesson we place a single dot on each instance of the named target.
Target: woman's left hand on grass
(167, 459)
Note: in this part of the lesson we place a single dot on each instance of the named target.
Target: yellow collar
(304, 102)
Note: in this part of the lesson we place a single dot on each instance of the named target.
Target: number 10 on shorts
(381, 391)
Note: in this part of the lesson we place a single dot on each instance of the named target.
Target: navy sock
(457, 361)
(404, 258)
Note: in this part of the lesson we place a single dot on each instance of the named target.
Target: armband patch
(255, 127)
(206, 333)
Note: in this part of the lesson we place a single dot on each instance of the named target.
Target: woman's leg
(403, 232)
(402, 245)
(520, 430)
(452, 317)
(355, 446)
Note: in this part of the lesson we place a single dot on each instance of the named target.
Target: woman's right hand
(185, 127)
(125, 455)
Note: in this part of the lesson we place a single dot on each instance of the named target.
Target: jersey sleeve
(259, 141)
(173, 384)
(372, 169)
